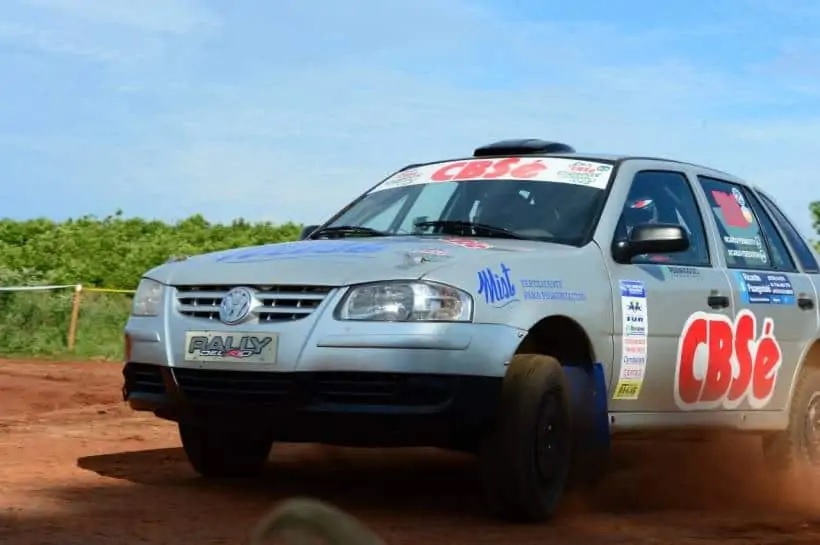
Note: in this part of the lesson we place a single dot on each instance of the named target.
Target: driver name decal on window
(545, 169)
(742, 234)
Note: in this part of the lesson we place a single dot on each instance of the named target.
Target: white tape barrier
(37, 288)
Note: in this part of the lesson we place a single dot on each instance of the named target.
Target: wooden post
(75, 316)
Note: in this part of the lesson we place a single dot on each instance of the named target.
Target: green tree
(815, 216)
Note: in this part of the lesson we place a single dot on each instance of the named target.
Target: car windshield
(544, 199)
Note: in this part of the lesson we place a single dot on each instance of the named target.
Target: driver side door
(659, 298)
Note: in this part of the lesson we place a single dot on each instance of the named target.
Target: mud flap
(590, 422)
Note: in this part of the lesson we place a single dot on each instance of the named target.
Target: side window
(798, 244)
(660, 196)
(748, 241)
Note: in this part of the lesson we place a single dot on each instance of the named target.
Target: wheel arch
(561, 337)
(810, 360)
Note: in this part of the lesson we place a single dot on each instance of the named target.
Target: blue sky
(288, 109)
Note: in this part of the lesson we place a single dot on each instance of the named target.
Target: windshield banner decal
(542, 169)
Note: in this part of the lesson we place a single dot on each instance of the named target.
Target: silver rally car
(525, 304)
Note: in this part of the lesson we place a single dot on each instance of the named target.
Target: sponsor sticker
(722, 362)
(307, 248)
(585, 173)
(424, 255)
(765, 288)
(549, 290)
(733, 209)
(742, 239)
(497, 286)
(634, 340)
(468, 243)
(239, 347)
(680, 271)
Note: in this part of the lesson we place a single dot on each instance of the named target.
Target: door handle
(805, 303)
(718, 301)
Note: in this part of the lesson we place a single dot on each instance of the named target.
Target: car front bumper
(345, 408)
(333, 381)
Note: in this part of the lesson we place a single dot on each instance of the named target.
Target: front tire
(796, 449)
(525, 461)
(223, 453)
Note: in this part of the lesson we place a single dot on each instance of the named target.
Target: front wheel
(215, 452)
(525, 461)
(797, 448)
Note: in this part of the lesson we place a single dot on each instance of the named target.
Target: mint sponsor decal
(497, 286)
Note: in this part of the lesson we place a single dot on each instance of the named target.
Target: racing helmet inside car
(651, 205)
(641, 210)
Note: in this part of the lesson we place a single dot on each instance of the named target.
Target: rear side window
(798, 244)
(748, 236)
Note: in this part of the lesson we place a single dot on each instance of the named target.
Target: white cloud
(118, 33)
(174, 16)
(60, 41)
(793, 10)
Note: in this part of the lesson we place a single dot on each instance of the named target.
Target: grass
(35, 324)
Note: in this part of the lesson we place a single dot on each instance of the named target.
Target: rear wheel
(525, 460)
(797, 449)
(218, 452)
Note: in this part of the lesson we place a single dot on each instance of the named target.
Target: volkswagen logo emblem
(237, 305)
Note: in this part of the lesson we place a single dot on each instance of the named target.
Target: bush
(36, 324)
(112, 252)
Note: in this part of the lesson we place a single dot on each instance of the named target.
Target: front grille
(355, 388)
(210, 385)
(279, 303)
(382, 388)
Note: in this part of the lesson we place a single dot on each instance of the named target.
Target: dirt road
(77, 467)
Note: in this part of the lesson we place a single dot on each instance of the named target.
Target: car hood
(340, 262)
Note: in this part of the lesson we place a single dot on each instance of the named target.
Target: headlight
(148, 298)
(406, 302)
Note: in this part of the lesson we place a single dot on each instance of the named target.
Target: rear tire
(525, 460)
(223, 453)
(796, 449)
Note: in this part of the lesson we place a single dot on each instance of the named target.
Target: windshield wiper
(350, 229)
(460, 225)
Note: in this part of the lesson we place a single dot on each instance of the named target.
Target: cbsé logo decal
(722, 363)
(488, 169)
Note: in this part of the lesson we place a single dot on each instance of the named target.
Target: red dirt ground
(78, 467)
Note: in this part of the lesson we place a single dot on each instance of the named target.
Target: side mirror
(307, 230)
(651, 238)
